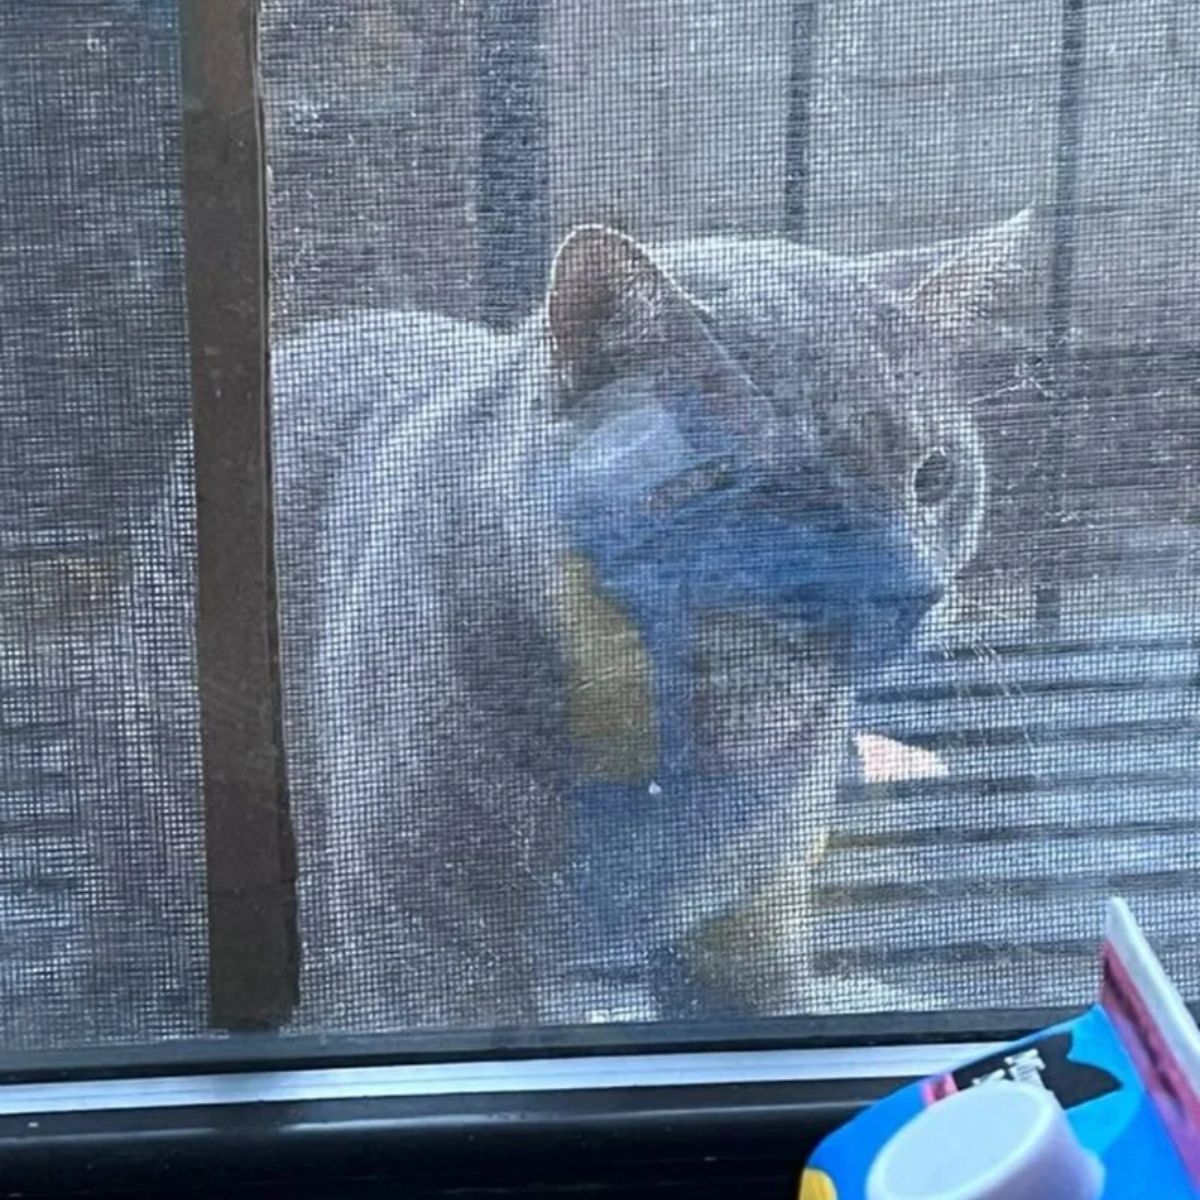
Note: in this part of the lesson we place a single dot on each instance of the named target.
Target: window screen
(100, 850)
(994, 780)
(735, 510)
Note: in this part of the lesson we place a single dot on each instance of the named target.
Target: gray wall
(373, 149)
(927, 117)
(669, 119)
(1139, 229)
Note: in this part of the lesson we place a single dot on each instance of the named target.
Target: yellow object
(609, 708)
(816, 1185)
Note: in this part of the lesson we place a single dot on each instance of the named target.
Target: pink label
(938, 1088)
(1172, 1092)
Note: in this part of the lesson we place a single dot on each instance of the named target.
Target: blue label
(1086, 1067)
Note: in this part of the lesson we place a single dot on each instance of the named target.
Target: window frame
(614, 1125)
(460, 1109)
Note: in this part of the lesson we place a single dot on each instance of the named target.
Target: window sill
(606, 1125)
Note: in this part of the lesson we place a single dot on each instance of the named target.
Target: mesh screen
(556, 759)
(736, 505)
(99, 846)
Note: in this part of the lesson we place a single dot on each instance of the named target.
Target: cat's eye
(934, 478)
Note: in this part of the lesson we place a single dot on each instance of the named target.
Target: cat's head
(754, 427)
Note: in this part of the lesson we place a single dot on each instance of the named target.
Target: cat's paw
(887, 761)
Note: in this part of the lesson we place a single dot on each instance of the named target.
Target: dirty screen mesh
(736, 508)
(567, 708)
(99, 846)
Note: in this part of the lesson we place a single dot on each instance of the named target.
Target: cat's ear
(962, 284)
(609, 305)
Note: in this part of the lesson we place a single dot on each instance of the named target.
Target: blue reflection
(679, 523)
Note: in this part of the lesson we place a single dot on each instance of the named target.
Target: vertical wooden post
(252, 932)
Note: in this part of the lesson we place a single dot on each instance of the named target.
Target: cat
(572, 616)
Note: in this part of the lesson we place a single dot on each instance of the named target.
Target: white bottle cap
(995, 1141)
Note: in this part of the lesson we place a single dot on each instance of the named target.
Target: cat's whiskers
(996, 393)
(1010, 689)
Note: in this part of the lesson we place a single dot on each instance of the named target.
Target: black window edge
(627, 1140)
